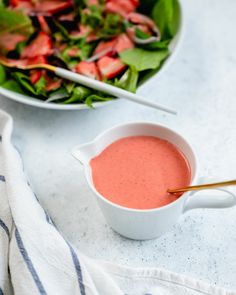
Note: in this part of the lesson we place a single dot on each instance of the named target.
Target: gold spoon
(201, 187)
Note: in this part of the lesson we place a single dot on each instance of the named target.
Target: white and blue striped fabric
(35, 259)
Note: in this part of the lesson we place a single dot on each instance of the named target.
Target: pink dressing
(135, 172)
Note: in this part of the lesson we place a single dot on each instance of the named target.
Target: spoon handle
(107, 88)
(202, 186)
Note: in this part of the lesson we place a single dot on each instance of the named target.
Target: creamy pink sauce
(135, 172)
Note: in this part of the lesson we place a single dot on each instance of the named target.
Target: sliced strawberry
(24, 5)
(110, 67)
(73, 52)
(43, 24)
(53, 6)
(123, 43)
(104, 46)
(37, 60)
(9, 41)
(88, 69)
(52, 84)
(92, 2)
(121, 7)
(35, 75)
(44, 6)
(116, 45)
(135, 3)
(41, 45)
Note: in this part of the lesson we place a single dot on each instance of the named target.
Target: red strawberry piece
(41, 45)
(53, 6)
(104, 46)
(52, 84)
(110, 67)
(44, 6)
(24, 5)
(88, 69)
(35, 75)
(37, 60)
(43, 24)
(73, 52)
(121, 7)
(92, 2)
(9, 41)
(123, 43)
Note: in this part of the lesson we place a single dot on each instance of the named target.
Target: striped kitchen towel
(35, 258)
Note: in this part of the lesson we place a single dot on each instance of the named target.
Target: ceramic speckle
(200, 83)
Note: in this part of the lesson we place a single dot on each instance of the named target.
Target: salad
(121, 42)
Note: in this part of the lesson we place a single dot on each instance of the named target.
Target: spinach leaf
(142, 59)
(13, 86)
(15, 21)
(129, 80)
(40, 85)
(24, 81)
(113, 25)
(166, 15)
(2, 75)
(80, 93)
(95, 98)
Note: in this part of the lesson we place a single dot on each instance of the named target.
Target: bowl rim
(35, 102)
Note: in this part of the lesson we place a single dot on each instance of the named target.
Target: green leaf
(142, 59)
(112, 26)
(15, 21)
(2, 75)
(13, 86)
(129, 80)
(166, 14)
(40, 86)
(95, 98)
(93, 17)
(24, 81)
(80, 93)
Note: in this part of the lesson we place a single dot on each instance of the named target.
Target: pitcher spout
(84, 152)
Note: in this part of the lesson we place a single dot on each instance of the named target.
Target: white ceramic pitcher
(150, 223)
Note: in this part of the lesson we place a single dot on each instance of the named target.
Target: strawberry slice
(35, 75)
(43, 24)
(121, 7)
(92, 2)
(109, 48)
(44, 6)
(105, 46)
(41, 45)
(88, 69)
(37, 60)
(52, 84)
(123, 43)
(8, 41)
(53, 6)
(110, 67)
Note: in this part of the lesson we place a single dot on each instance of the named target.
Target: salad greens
(142, 59)
(119, 42)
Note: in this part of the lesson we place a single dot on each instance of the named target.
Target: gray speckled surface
(201, 84)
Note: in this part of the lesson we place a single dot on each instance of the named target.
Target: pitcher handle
(226, 200)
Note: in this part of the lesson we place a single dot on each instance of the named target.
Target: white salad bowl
(150, 223)
(32, 101)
